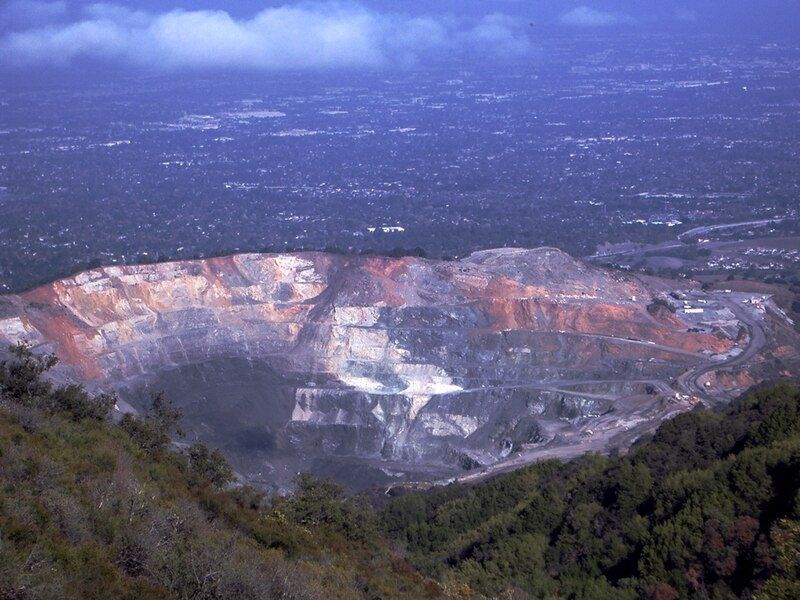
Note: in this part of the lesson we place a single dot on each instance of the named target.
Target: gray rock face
(372, 369)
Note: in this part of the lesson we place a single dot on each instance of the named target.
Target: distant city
(601, 150)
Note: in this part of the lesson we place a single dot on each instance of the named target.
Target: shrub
(210, 465)
(21, 378)
(76, 402)
(145, 432)
(152, 432)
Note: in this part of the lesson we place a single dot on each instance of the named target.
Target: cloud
(584, 16)
(116, 13)
(292, 36)
(491, 34)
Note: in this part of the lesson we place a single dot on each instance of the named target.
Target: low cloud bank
(585, 16)
(289, 37)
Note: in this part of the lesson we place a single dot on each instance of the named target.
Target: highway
(678, 243)
(709, 228)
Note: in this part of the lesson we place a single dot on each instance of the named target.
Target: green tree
(21, 377)
(785, 582)
(209, 465)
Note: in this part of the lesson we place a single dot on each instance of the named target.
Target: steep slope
(89, 508)
(93, 509)
(416, 367)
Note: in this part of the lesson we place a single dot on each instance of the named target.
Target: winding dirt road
(619, 434)
(689, 381)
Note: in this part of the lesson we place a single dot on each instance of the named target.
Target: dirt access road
(689, 381)
(610, 430)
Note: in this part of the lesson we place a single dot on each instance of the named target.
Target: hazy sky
(248, 34)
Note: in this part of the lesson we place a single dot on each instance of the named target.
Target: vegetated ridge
(709, 507)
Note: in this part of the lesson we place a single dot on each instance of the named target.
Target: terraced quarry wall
(402, 366)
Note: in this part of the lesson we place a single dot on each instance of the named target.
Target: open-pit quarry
(376, 370)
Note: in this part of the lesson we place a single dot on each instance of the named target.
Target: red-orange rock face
(399, 348)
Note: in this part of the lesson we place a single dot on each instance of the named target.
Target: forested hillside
(89, 510)
(709, 508)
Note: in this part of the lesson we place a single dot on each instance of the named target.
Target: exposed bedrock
(406, 365)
